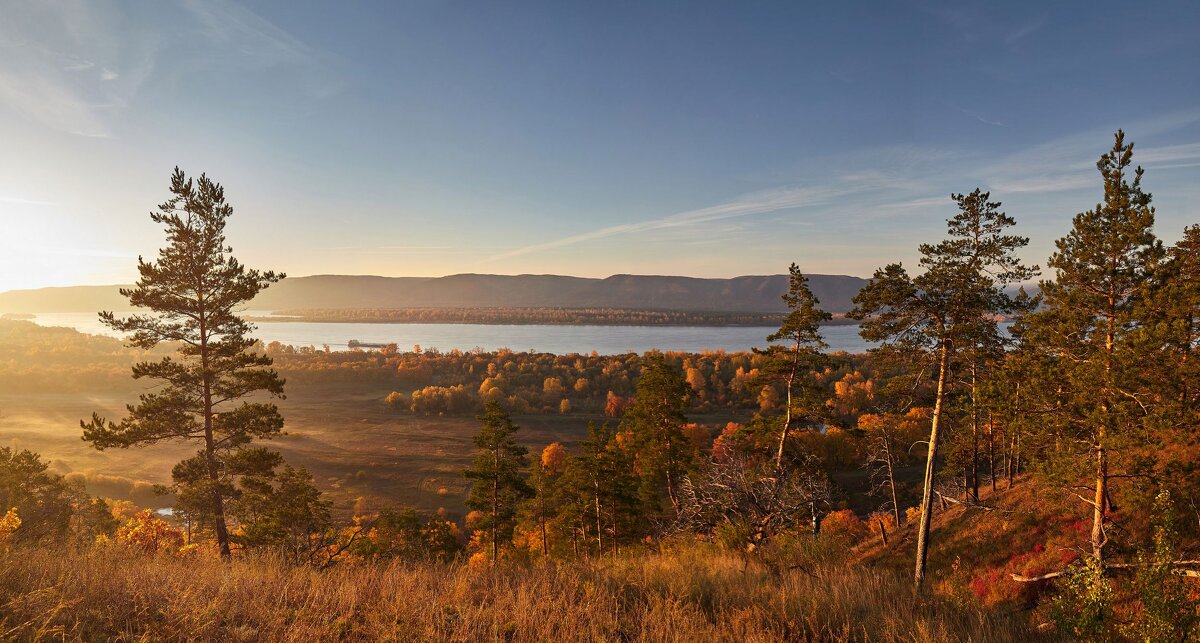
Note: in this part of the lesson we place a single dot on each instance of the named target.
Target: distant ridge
(643, 292)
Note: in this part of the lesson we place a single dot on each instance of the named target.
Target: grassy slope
(1029, 530)
(693, 594)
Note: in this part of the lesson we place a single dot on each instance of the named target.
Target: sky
(710, 139)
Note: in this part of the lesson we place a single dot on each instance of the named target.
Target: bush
(845, 525)
(1083, 606)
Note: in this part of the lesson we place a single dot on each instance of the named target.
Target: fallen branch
(969, 504)
(1177, 569)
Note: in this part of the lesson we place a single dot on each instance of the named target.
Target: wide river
(559, 339)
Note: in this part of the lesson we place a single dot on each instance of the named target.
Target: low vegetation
(695, 593)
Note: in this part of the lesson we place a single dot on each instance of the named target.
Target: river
(558, 339)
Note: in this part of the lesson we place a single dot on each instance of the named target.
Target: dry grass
(692, 594)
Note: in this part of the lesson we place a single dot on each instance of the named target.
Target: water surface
(559, 339)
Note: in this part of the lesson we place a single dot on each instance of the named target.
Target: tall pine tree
(498, 474)
(656, 421)
(1093, 309)
(194, 291)
(953, 303)
(796, 346)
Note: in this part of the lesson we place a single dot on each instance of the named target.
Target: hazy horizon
(481, 274)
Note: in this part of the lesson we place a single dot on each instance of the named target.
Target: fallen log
(1179, 570)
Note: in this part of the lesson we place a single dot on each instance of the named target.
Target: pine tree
(656, 421)
(1088, 326)
(194, 291)
(951, 305)
(604, 489)
(1172, 324)
(795, 346)
(498, 474)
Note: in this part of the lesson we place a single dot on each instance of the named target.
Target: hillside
(645, 292)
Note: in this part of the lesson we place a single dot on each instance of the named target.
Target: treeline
(459, 383)
(37, 358)
(518, 316)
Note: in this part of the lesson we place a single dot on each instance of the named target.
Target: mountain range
(642, 292)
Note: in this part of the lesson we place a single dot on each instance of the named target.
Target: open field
(354, 445)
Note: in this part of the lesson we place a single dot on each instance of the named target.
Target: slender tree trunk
(599, 530)
(787, 412)
(210, 444)
(1100, 503)
(975, 428)
(1008, 455)
(1017, 457)
(670, 478)
(991, 436)
(1185, 398)
(542, 519)
(816, 521)
(495, 516)
(1015, 428)
(616, 541)
(927, 494)
(891, 471)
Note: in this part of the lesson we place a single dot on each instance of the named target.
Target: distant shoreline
(532, 317)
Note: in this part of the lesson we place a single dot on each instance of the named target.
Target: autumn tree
(794, 348)
(545, 476)
(885, 454)
(950, 305)
(498, 474)
(193, 292)
(1090, 321)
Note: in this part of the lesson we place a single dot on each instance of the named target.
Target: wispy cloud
(59, 63)
(1019, 33)
(412, 249)
(1068, 163)
(915, 204)
(85, 252)
(20, 201)
(751, 204)
(51, 101)
(255, 39)
(977, 116)
(76, 66)
(1185, 153)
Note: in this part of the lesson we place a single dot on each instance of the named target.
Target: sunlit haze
(701, 139)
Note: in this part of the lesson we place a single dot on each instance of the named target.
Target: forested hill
(644, 292)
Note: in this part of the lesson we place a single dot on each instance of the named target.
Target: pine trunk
(927, 494)
(974, 430)
(210, 446)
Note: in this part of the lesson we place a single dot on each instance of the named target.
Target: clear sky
(431, 137)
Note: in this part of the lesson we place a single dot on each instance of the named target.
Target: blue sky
(432, 137)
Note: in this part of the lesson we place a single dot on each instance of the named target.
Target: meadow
(691, 592)
(363, 453)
